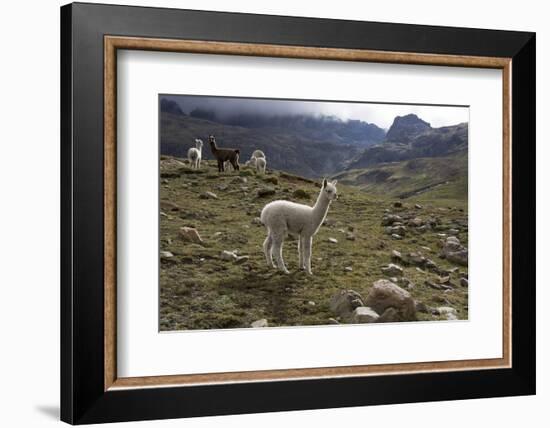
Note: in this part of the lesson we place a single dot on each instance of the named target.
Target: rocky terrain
(376, 258)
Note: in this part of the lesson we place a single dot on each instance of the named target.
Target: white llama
(258, 154)
(282, 217)
(194, 154)
(260, 165)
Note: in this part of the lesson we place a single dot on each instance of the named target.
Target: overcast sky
(379, 114)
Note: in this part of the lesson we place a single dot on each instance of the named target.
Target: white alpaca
(258, 154)
(194, 154)
(260, 165)
(283, 217)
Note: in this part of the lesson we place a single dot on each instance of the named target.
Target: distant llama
(259, 164)
(194, 154)
(224, 154)
(283, 217)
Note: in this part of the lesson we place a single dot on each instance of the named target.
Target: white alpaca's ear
(324, 183)
(334, 183)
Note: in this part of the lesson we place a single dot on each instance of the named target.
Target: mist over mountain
(321, 128)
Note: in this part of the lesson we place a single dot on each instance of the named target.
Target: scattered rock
(241, 259)
(430, 264)
(363, 315)
(208, 195)
(385, 294)
(257, 221)
(392, 270)
(166, 254)
(447, 311)
(422, 307)
(415, 222)
(464, 282)
(260, 323)
(333, 321)
(418, 206)
(190, 234)
(168, 206)
(344, 302)
(397, 204)
(333, 240)
(416, 259)
(239, 180)
(350, 236)
(390, 315)
(348, 269)
(311, 303)
(453, 231)
(396, 256)
(266, 191)
(396, 236)
(390, 219)
(228, 255)
(454, 252)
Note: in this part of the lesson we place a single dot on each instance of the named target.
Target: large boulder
(385, 294)
(454, 251)
(344, 302)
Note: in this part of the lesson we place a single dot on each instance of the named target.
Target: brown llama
(223, 155)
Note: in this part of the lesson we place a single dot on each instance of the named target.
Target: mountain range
(410, 157)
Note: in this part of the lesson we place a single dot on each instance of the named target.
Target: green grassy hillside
(200, 290)
(427, 179)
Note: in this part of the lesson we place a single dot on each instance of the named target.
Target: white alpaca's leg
(300, 253)
(278, 250)
(199, 163)
(268, 250)
(308, 243)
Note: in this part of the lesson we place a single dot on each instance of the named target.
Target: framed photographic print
(265, 213)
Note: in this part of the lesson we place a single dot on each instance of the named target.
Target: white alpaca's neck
(320, 210)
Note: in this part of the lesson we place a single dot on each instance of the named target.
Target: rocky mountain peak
(405, 127)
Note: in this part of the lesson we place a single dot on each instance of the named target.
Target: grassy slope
(425, 178)
(201, 291)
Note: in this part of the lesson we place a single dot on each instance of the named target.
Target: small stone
(444, 279)
(333, 321)
(228, 255)
(390, 219)
(190, 234)
(166, 254)
(241, 259)
(344, 302)
(453, 231)
(396, 256)
(363, 315)
(396, 236)
(311, 303)
(350, 236)
(168, 206)
(418, 206)
(259, 323)
(257, 221)
(348, 269)
(333, 240)
(392, 270)
(464, 282)
(208, 195)
(397, 204)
